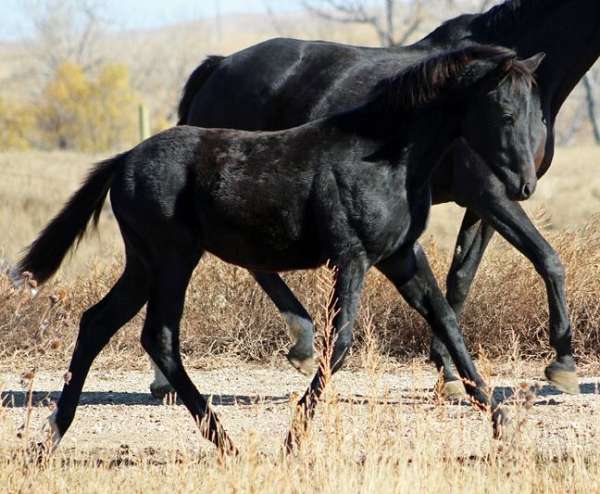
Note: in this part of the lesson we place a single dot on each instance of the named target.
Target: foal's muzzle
(527, 190)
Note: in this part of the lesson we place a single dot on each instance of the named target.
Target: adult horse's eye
(508, 119)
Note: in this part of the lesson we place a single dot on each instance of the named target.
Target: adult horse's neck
(568, 31)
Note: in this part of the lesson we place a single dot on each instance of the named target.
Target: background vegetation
(75, 79)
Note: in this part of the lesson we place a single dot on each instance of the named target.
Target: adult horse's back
(286, 82)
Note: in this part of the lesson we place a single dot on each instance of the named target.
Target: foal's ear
(533, 63)
(481, 70)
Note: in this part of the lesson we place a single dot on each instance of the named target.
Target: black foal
(352, 188)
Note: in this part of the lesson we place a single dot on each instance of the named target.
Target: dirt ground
(255, 404)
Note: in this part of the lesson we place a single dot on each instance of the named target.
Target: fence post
(143, 122)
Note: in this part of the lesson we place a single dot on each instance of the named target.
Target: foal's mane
(428, 81)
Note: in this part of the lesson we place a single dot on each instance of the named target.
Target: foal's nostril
(526, 190)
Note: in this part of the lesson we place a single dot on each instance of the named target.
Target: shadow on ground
(20, 399)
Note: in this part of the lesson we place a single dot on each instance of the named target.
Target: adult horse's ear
(533, 63)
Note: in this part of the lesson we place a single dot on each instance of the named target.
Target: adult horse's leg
(160, 338)
(473, 238)
(98, 324)
(411, 275)
(489, 201)
(300, 324)
(348, 284)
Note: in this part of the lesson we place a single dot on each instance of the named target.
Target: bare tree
(66, 30)
(590, 86)
(383, 20)
(475, 5)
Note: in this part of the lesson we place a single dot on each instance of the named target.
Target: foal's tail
(193, 85)
(45, 255)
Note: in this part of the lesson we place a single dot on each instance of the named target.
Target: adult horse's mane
(508, 17)
(431, 79)
(195, 81)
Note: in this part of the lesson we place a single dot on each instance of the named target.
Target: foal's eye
(508, 119)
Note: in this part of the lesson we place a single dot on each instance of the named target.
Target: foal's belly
(254, 252)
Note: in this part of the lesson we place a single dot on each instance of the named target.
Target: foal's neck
(404, 137)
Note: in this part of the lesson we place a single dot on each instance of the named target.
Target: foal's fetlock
(301, 354)
(159, 387)
(562, 374)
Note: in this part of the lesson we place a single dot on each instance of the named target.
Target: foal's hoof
(562, 378)
(454, 390)
(302, 361)
(305, 366)
(502, 424)
(160, 391)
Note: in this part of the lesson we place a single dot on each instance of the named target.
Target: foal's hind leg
(98, 324)
(160, 338)
(300, 325)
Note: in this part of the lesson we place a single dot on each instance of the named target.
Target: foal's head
(494, 102)
(503, 123)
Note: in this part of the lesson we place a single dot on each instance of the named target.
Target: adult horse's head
(503, 118)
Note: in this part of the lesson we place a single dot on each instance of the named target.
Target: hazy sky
(14, 21)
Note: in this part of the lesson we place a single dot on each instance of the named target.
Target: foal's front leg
(416, 285)
(473, 238)
(348, 285)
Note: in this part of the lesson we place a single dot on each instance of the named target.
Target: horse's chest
(389, 215)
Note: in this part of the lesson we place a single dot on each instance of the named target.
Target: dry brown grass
(370, 457)
(385, 448)
(228, 316)
(382, 445)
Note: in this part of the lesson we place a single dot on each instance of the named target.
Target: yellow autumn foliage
(88, 113)
(16, 123)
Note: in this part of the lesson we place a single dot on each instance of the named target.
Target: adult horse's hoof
(562, 378)
(303, 364)
(161, 390)
(453, 390)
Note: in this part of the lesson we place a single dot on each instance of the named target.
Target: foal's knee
(551, 267)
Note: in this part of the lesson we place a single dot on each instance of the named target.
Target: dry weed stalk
(324, 344)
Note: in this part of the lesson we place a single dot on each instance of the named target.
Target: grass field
(369, 436)
(228, 315)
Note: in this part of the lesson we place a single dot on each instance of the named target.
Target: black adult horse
(283, 82)
(352, 188)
